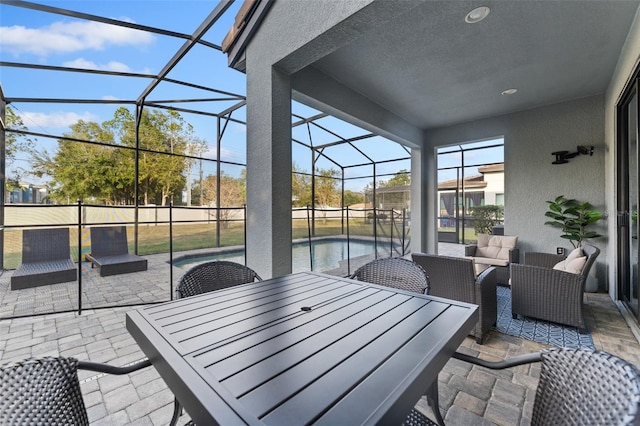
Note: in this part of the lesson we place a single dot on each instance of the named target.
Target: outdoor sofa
(494, 250)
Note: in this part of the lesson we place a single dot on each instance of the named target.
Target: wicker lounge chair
(110, 252)
(539, 291)
(454, 278)
(579, 387)
(46, 391)
(394, 272)
(206, 277)
(46, 259)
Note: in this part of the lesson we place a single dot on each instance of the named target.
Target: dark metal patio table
(300, 349)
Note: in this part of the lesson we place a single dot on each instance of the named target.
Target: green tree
(402, 178)
(352, 197)
(105, 172)
(194, 148)
(160, 176)
(83, 171)
(300, 187)
(232, 194)
(14, 142)
(326, 188)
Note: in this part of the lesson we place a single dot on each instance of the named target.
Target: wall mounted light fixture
(563, 157)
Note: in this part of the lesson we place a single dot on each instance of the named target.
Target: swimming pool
(326, 254)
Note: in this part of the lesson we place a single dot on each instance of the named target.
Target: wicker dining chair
(46, 391)
(206, 277)
(416, 418)
(578, 386)
(214, 275)
(395, 272)
(403, 274)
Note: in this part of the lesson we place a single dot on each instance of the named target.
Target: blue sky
(29, 36)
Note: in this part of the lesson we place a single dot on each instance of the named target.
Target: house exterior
(545, 76)
(485, 188)
(28, 193)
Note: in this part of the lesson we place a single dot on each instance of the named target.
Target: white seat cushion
(490, 261)
(495, 246)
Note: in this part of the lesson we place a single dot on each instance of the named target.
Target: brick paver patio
(468, 395)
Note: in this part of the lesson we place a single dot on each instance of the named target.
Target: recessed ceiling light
(477, 15)
(509, 91)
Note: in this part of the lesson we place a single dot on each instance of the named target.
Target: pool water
(326, 255)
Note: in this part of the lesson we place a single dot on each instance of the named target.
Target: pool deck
(468, 395)
(150, 286)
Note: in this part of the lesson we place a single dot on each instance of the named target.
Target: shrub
(486, 217)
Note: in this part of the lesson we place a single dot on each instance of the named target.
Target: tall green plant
(573, 218)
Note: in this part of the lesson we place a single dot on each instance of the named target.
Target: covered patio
(415, 73)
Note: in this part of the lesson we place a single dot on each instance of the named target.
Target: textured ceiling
(433, 69)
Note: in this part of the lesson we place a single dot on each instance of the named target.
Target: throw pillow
(573, 263)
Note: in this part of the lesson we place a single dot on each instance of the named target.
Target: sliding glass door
(627, 162)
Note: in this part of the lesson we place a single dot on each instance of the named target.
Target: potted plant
(574, 218)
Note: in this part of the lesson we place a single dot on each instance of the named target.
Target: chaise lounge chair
(46, 259)
(110, 252)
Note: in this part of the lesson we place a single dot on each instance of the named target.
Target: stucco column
(424, 199)
(268, 241)
(417, 204)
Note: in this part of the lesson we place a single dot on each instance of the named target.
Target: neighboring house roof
(492, 168)
(471, 182)
(475, 181)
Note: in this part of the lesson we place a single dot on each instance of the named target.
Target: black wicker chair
(416, 418)
(579, 386)
(46, 391)
(454, 278)
(394, 272)
(206, 277)
(402, 274)
(539, 291)
(215, 275)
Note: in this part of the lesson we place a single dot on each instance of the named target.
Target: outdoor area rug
(537, 330)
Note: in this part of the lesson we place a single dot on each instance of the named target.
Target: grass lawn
(154, 239)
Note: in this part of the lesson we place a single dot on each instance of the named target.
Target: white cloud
(68, 37)
(90, 65)
(109, 66)
(56, 119)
